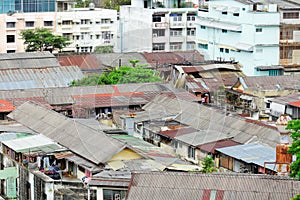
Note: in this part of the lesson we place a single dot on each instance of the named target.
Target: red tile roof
(6, 106)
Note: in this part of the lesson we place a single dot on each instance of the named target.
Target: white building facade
(84, 28)
(160, 29)
(243, 32)
(87, 28)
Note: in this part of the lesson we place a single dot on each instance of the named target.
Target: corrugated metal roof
(210, 120)
(286, 99)
(28, 60)
(255, 153)
(168, 185)
(12, 79)
(113, 59)
(32, 143)
(88, 62)
(177, 132)
(81, 139)
(263, 83)
(165, 58)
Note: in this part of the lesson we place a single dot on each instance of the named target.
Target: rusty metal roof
(263, 83)
(177, 185)
(165, 58)
(89, 62)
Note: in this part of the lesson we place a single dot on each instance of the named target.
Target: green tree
(140, 75)
(294, 149)
(104, 49)
(82, 3)
(208, 165)
(42, 39)
(115, 4)
(119, 75)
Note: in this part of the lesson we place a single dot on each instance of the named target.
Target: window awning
(226, 47)
(202, 41)
(220, 25)
(244, 47)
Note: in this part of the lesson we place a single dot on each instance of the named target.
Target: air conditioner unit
(154, 34)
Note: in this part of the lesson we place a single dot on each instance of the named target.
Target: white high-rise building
(242, 31)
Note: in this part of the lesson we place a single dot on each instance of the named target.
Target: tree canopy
(120, 75)
(115, 4)
(208, 165)
(294, 149)
(42, 39)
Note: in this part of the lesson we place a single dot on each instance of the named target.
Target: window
(10, 38)
(97, 36)
(259, 50)
(226, 50)
(176, 32)
(11, 51)
(48, 23)
(191, 18)
(157, 18)
(66, 22)
(158, 46)
(224, 13)
(203, 46)
(190, 45)
(84, 21)
(158, 32)
(176, 17)
(291, 15)
(84, 49)
(29, 24)
(191, 32)
(191, 152)
(236, 14)
(84, 35)
(106, 35)
(203, 27)
(67, 35)
(273, 72)
(224, 31)
(221, 49)
(10, 24)
(113, 194)
(105, 21)
(175, 46)
(258, 30)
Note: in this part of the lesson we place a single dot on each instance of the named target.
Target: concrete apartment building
(154, 26)
(85, 28)
(289, 35)
(242, 31)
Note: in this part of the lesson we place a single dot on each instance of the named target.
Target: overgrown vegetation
(123, 74)
(42, 39)
(208, 165)
(115, 4)
(294, 149)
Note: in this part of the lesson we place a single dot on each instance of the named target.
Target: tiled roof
(168, 185)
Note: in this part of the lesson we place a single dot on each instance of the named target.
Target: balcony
(162, 25)
(178, 24)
